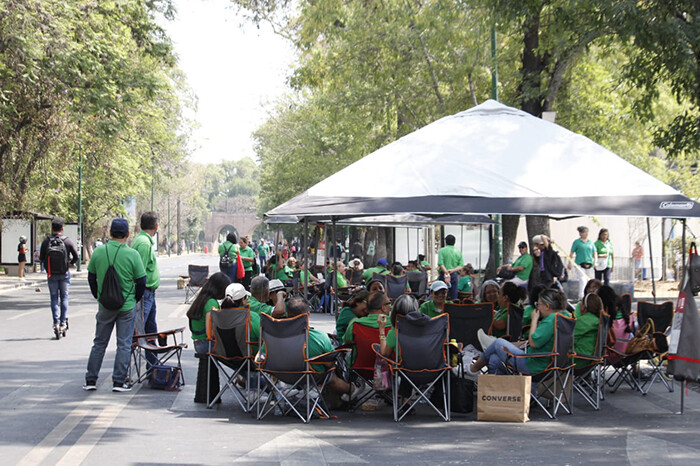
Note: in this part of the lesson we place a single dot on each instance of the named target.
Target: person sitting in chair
(260, 294)
(436, 306)
(381, 268)
(405, 305)
(356, 306)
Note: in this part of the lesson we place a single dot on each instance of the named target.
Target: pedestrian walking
(21, 257)
(115, 257)
(604, 263)
(58, 254)
(145, 318)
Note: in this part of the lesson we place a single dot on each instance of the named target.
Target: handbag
(504, 398)
(601, 264)
(240, 270)
(165, 378)
(643, 340)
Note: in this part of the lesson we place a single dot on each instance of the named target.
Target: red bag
(240, 271)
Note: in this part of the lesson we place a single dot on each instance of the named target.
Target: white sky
(235, 69)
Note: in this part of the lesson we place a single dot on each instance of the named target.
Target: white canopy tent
(491, 159)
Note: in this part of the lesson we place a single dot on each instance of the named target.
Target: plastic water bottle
(454, 360)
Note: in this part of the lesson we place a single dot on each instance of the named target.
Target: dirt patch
(643, 289)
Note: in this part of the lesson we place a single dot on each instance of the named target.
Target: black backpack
(225, 262)
(57, 256)
(111, 296)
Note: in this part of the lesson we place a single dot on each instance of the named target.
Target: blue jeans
(103, 331)
(496, 357)
(145, 319)
(263, 263)
(603, 275)
(230, 273)
(201, 346)
(453, 291)
(58, 288)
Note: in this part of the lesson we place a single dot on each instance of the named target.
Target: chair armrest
(328, 358)
(587, 357)
(160, 334)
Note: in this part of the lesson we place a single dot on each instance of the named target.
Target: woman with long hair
(604, 263)
(207, 299)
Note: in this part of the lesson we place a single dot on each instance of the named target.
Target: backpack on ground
(57, 256)
(111, 296)
(165, 378)
(225, 262)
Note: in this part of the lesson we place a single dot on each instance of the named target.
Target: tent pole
(408, 245)
(305, 246)
(651, 260)
(334, 276)
(682, 277)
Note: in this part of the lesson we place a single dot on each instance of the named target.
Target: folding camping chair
(418, 282)
(514, 326)
(467, 319)
(551, 388)
(354, 276)
(588, 379)
(146, 342)
(421, 361)
(662, 316)
(396, 285)
(196, 277)
(231, 354)
(380, 277)
(362, 361)
(284, 358)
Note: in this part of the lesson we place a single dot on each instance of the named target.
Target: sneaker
(360, 391)
(468, 371)
(470, 353)
(484, 340)
(90, 385)
(121, 387)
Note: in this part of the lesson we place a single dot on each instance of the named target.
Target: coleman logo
(674, 205)
(515, 399)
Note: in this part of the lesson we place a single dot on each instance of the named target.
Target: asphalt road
(46, 417)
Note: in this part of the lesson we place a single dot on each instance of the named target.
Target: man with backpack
(145, 317)
(58, 253)
(117, 280)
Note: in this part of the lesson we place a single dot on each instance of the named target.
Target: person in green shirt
(584, 252)
(521, 268)
(527, 311)
(466, 274)
(541, 339)
(377, 303)
(132, 278)
(405, 305)
(381, 268)
(260, 295)
(604, 264)
(263, 253)
(438, 295)
(237, 299)
(586, 328)
(146, 308)
(247, 255)
(207, 299)
(449, 262)
(356, 306)
(508, 294)
(284, 269)
(229, 248)
(592, 286)
(424, 264)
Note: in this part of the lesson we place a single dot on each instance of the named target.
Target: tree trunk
(536, 225)
(510, 230)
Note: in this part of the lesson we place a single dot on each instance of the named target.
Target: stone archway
(224, 230)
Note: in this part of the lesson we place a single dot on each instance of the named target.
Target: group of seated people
(371, 307)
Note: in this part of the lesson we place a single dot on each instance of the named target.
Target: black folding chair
(467, 319)
(196, 277)
(421, 352)
(662, 316)
(514, 326)
(552, 387)
(171, 351)
(396, 285)
(380, 277)
(284, 358)
(355, 276)
(418, 282)
(231, 354)
(588, 379)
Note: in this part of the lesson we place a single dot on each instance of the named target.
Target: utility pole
(167, 239)
(179, 243)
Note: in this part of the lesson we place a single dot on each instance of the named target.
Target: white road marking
(179, 311)
(297, 447)
(112, 404)
(27, 396)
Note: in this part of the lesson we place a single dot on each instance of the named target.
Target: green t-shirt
(342, 282)
(544, 339)
(285, 274)
(232, 251)
(367, 273)
(128, 264)
(428, 308)
(254, 331)
(605, 248)
(344, 318)
(319, 343)
(465, 284)
(577, 310)
(263, 250)
(585, 335)
(198, 327)
(527, 319)
(500, 314)
(584, 251)
(525, 260)
(143, 244)
(248, 252)
(256, 307)
(425, 264)
(450, 257)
